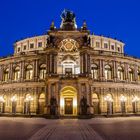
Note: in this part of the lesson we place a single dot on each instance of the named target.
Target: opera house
(69, 72)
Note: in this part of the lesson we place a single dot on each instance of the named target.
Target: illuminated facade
(52, 73)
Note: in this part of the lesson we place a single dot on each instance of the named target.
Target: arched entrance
(28, 104)
(95, 103)
(68, 101)
(41, 103)
(109, 104)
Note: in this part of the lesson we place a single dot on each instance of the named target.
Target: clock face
(68, 45)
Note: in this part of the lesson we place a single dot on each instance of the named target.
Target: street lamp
(109, 101)
(1, 104)
(123, 100)
(28, 101)
(14, 100)
(135, 101)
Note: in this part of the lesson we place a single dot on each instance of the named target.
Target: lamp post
(1, 104)
(28, 101)
(123, 100)
(135, 101)
(109, 101)
(14, 100)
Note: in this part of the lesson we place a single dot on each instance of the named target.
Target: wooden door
(68, 106)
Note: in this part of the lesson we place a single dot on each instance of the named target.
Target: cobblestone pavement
(70, 129)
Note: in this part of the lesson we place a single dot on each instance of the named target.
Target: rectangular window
(105, 45)
(118, 49)
(39, 44)
(24, 47)
(112, 47)
(31, 45)
(18, 49)
(98, 44)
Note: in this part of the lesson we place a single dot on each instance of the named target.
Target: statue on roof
(68, 16)
(68, 20)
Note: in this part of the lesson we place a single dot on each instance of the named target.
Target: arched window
(108, 72)
(130, 74)
(138, 75)
(94, 71)
(16, 73)
(120, 73)
(29, 72)
(6, 75)
(42, 71)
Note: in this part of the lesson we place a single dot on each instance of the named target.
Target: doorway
(95, 103)
(68, 106)
(41, 103)
(68, 101)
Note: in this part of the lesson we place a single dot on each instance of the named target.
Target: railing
(103, 52)
(68, 76)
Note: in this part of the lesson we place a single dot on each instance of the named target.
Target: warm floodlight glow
(2, 99)
(74, 103)
(123, 98)
(14, 99)
(29, 98)
(135, 99)
(108, 98)
(62, 102)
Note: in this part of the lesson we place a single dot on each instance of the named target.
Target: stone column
(10, 72)
(37, 100)
(55, 63)
(46, 98)
(86, 60)
(89, 98)
(126, 71)
(101, 73)
(81, 63)
(1, 73)
(48, 63)
(88, 64)
(85, 63)
(22, 70)
(78, 97)
(102, 43)
(57, 95)
(115, 70)
(101, 103)
(49, 93)
(100, 69)
(135, 73)
(36, 70)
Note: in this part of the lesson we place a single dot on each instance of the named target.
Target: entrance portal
(68, 101)
(68, 106)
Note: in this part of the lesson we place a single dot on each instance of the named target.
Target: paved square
(70, 129)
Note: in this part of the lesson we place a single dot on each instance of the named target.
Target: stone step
(68, 117)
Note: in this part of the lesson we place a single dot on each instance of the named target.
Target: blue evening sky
(112, 18)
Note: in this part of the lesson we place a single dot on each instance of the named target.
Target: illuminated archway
(41, 103)
(95, 103)
(68, 101)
